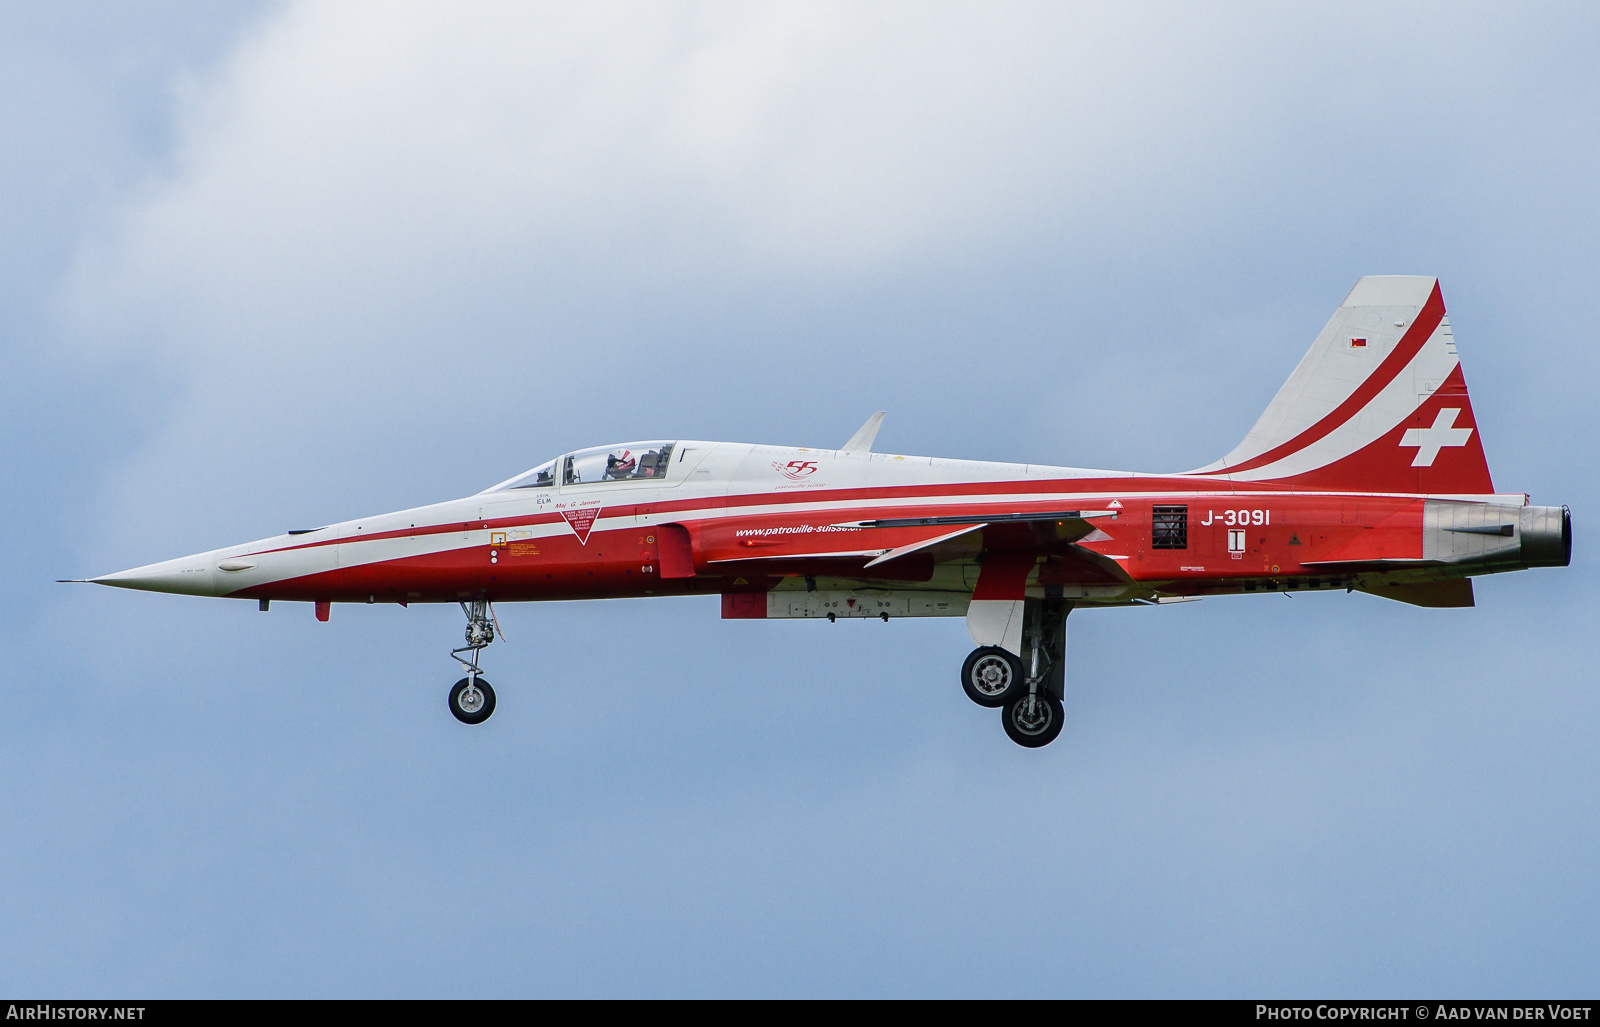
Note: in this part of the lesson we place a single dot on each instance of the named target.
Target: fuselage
(1366, 472)
(760, 521)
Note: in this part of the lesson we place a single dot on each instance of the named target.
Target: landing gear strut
(472, 700)
(1029, 700)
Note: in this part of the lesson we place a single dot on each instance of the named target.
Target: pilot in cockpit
(619, 465)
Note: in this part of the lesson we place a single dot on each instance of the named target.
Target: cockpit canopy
(539, 477)
(631, 461)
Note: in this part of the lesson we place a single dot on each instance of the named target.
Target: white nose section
(189, 575)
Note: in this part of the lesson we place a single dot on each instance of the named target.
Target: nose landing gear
(471, 699)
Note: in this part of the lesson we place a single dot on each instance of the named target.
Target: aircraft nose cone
(189, 575)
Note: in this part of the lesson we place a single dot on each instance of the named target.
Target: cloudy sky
(275, 265)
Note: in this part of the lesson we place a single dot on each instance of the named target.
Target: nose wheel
(471, 698)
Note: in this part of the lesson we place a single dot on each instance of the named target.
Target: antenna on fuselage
(861, 441)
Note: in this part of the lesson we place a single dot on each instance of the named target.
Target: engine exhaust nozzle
(1546, 536)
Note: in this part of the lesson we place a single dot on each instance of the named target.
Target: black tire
(479, 715)
(1035, 725)
(992, 676)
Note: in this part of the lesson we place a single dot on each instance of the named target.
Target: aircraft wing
(899, 546)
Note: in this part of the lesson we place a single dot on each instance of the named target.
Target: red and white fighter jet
(1366, 472)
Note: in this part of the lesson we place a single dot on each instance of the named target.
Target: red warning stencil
(581, 521)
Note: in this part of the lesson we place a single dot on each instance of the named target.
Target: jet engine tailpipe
(1546, 536)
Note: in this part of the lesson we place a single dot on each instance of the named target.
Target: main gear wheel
(1033, 720)
(991, 676)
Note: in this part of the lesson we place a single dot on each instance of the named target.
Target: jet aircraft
(1365, 473)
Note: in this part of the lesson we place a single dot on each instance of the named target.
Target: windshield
(630, 462)
(540, 477)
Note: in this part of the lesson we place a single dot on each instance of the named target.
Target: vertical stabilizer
(1378, 404)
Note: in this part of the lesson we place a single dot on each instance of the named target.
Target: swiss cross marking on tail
(1432, 439)
(1371, 385)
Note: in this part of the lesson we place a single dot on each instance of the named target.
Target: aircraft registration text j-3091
(1365, 473)
(1232, 517)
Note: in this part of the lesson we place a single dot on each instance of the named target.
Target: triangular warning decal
(581, 521)
(740, 581)
(1294, 540)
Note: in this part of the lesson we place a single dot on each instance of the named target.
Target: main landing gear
(992, 676)
(1033, 720)
(472, 700)
(1029, 700)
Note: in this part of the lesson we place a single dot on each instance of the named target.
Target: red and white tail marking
(1377, 404)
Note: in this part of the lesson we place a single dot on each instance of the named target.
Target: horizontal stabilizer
(1442, 594)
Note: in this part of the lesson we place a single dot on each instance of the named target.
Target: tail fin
(1378, 404)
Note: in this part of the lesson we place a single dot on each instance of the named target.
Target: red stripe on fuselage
(1283, 534)
(1118, 485)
